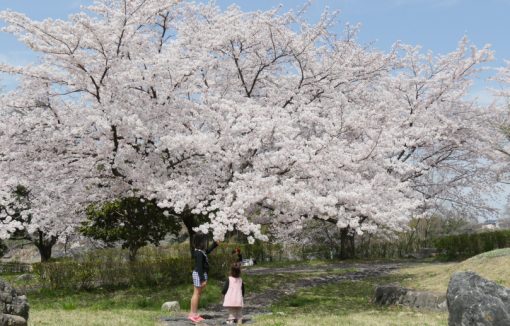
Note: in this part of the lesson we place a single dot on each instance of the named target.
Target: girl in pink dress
(234, 293)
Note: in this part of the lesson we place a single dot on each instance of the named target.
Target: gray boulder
(473, 300)
(12, 304)
(389, 294)
(425, 300)
(12, 320)
(394, 294)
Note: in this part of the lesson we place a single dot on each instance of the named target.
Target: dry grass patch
(115, 317)
(492, 265)
(366, 318)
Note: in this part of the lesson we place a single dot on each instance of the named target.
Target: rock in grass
(425, 300)
(12, 320)
(171, 306)
(389, 294)
(394, 294)
(473, 300)
(11, 303)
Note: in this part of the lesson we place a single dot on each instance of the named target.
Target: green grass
(133, 306)
(365, 318)
(260, 283)
(345, 303)
(124, 317)
(494, 253)
(492, 265)
(343, 297)
(131, 298)
(294, 264)
(341, 303)
(20, 284)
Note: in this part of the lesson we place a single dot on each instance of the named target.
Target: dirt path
(259, 303)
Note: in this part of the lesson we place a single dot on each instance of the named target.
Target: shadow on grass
(341, 298)
(129, 298)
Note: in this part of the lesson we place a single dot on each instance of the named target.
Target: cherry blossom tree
(246, 119)
(47, 163)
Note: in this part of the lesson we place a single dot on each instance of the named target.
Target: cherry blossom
(244, 118)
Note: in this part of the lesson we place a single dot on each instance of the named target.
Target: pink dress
(234, 295)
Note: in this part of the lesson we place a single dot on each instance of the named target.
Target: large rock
(424, 300)
(12, 320)
(473, 300)
(12, 304)
(394, 294)
(389, 294)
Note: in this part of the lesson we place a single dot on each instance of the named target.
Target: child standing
(233, 290)
(199, 273)
(238, 256)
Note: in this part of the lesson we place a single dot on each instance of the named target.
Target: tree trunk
(190, 222)
(344, 233)
(44, 245)
(353, 245)
(132, 253)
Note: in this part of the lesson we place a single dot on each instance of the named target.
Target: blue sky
(436, 25)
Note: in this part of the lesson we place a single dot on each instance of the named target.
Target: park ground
(304, 293)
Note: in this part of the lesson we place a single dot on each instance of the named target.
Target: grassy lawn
(86, 317)
(132, 298)
(133, 306)
(277, 280)
(492, 265)
(345, 303)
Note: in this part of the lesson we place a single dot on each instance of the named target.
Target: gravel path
(259, 303)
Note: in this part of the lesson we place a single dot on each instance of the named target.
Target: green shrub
(462, 246)
(110, 268)
(14, 268)
(133, 221)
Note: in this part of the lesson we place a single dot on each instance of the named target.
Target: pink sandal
(195, 318)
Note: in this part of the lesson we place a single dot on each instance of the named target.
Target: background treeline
(170, 262)
(158, 266)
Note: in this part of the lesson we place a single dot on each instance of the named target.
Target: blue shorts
(196, 279)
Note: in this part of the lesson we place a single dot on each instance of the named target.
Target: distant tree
(133, 221)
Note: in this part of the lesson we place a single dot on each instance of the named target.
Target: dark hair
(200, 241)
(235, 270)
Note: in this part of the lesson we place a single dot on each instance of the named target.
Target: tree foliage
(241, 119)
(132, 221)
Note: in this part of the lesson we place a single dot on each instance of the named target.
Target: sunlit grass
(492, 265)
(345, 303)
(339, 303)
(366, 318)
(85, 317)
